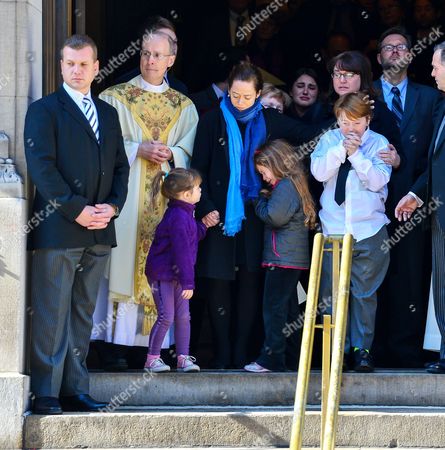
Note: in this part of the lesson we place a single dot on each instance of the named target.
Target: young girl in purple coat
(170, 265)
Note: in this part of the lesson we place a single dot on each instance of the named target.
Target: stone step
(233, 427)
(384, 387)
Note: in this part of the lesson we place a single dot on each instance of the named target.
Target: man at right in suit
(404, 293)
(431, 185)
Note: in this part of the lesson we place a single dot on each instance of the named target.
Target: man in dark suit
(404, 293)
(220, 66)
(430, 188)
(76, 159)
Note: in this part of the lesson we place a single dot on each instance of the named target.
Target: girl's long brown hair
(282, 159)
(173, 183)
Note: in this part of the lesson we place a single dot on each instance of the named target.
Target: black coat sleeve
(205, 142)
(41, 157)
(384, 123)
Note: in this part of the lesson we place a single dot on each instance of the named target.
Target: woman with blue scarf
(229, 258)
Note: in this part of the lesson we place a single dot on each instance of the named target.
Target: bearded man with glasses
(404, 293)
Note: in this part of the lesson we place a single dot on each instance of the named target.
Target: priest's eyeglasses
(155, 55)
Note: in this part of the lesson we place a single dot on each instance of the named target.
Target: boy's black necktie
(340, 186)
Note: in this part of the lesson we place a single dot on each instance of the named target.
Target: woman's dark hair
(353, 61)
(173, 183)
(306, 71)
(246, 71)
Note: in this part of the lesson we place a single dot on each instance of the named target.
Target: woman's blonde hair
(354, 105)
(283, 161)
(171, 184)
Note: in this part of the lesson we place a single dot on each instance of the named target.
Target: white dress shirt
(78, 97)
(233, 16)
(363, 212)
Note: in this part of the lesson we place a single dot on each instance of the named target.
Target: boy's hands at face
(352, 143)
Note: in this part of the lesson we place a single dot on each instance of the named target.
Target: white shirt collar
(234, 15)
(388, 86)
(77, 96)
(219, 92)
(153, 88)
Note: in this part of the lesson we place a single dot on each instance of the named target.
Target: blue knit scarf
(244, 182)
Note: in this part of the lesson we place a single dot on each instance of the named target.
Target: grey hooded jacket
(285, 235)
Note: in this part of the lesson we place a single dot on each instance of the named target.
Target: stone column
(20, 83)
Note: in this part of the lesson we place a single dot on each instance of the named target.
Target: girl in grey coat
(287, 211)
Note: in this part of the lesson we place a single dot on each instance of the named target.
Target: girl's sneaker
(186, 363)
(255, 367)
(156, 365)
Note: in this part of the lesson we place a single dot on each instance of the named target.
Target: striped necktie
(397, 108)
(90, 114)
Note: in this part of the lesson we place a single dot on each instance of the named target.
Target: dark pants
(64, 286)
(279, 303)
(404, 294)
(368, 269)
(233, 310)
(438, 278)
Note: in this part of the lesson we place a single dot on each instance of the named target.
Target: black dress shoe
(47, 405)
(115, 365)
(362, 361)
(82, 402)
(437, 367)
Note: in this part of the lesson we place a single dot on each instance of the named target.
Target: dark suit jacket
(432, 182)
(416, 130)
(205, 100)
(71, 170)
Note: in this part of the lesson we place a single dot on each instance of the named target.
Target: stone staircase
(237, 409)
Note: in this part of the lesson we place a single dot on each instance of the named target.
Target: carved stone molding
(4, 145)
(8, 174)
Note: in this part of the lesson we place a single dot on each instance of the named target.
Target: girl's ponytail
(156, 187)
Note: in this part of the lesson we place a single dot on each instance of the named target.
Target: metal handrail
(331, 369)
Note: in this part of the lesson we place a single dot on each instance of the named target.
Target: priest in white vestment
(158, 126)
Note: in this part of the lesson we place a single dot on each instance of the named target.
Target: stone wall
(20, 83)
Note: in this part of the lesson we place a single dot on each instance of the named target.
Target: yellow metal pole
(325, 370)
(338, 345)
(335, 274)
(304, 365)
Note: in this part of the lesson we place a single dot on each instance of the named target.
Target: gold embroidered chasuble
(163, 115)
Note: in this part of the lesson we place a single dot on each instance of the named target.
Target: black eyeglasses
(345, 75)
(391, 48)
